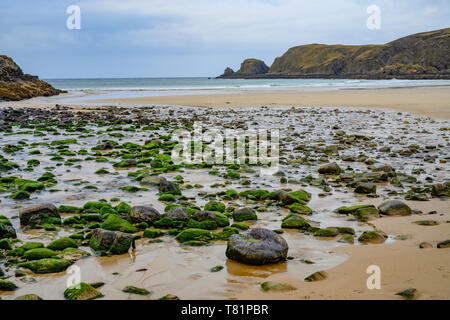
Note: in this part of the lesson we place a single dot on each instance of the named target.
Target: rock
(215, 206)
(203, 215)
(82, 291)
(444, 244)
(136, 290)
(179, 213)
(107, 145)
(244, 214)
(62, 243)
(110, 242)
(387, 169)
(5, 244)
(426, 222)
(216, 269)
(73, 254)
(249, 67)
(425, 245)
(276, 286)
(152, 233)
(375, 237)
(394, 208)
(40, 214)
(366, 214)
(225, 234)
(330, 168)
(7, 286)
(151, 180)
(7, 231)
(285, 198)
(48, 265)
(295, 221)
(326, 232)
(116, 223)
(30, 296)
(169, 297)
(257, 247)
(143, 214)
(316, 276)
(166, 186)
(39, 253)
(193, 234)
(15, 85)
(365, 187)
(408, 294)
(440, 190)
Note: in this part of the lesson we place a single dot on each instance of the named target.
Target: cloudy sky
(169, 38)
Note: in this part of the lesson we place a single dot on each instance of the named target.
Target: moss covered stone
(205, 224)
(327, 232)
(276, 286)
(240, 226)
(116, 223)
(215, 206)
(48, 265)
(316, 276)
(81, 291)
(29, 296)
(152, 233)
(39, 253)
(352, 209)
(375, 237)
(225, 233)
(110, 242)
(193, 234)
(244, 214)
(295, 221)
(62, 243)
(167, 223)
(7, 286)
(300, 208)
(136, 290)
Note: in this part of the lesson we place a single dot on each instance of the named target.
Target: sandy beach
(433, 102)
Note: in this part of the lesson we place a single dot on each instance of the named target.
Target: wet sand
(403, 264)
(433, 102)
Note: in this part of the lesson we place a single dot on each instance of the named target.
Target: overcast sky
(169, 38)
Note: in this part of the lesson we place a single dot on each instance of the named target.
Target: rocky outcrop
(250, 67)
(418, 56)
(15, 85)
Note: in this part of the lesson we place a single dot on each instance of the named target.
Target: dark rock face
(7, 231)
(418, 56)
(37, 214)
(15, 85)
(143, 214)
(166, 186)
(258, 247)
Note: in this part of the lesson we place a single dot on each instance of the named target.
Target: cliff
(15, 85)
(418, 56)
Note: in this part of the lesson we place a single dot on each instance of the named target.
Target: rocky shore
(97, 188)
(15, 85)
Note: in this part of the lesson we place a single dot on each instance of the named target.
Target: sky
(193, 38)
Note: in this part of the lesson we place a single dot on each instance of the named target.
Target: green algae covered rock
(39, 214)
(62, 243)
(327, 232)
(81, 291)
(394, 208)
(300, 208)
(193, 234)
(136, 290)
(30, 296)
(375, 237)
(110, 242)
(215, 206)
(116, 223)
(7, 286)
(295, 221)
(225, 233)
(48, 265)
(39, 253)
(276, 286)
(353, 209)
(244, 214)
(152, 233)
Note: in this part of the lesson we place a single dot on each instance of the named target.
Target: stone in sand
(143, 214)
(179, 213)
(394, 208)
(365, 187)
(110, 242)
(444, 244)
(39, 214)
(258, 247)
(330, 168)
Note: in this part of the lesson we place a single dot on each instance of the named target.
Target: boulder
(47, 265)
(7, 231)
(365, 187)
(81, 291)
(143, 214)
(375, 237)
(244, 214)
(179, 213)
(39, 214)
(166, 186)
(257, 247)
(110, 242)
(203, 215)
(394, 208)
(330, 168)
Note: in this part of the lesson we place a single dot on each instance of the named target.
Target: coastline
(432, 102)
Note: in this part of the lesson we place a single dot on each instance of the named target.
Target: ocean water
(161, 85)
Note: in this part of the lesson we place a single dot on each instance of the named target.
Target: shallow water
(184, 271)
